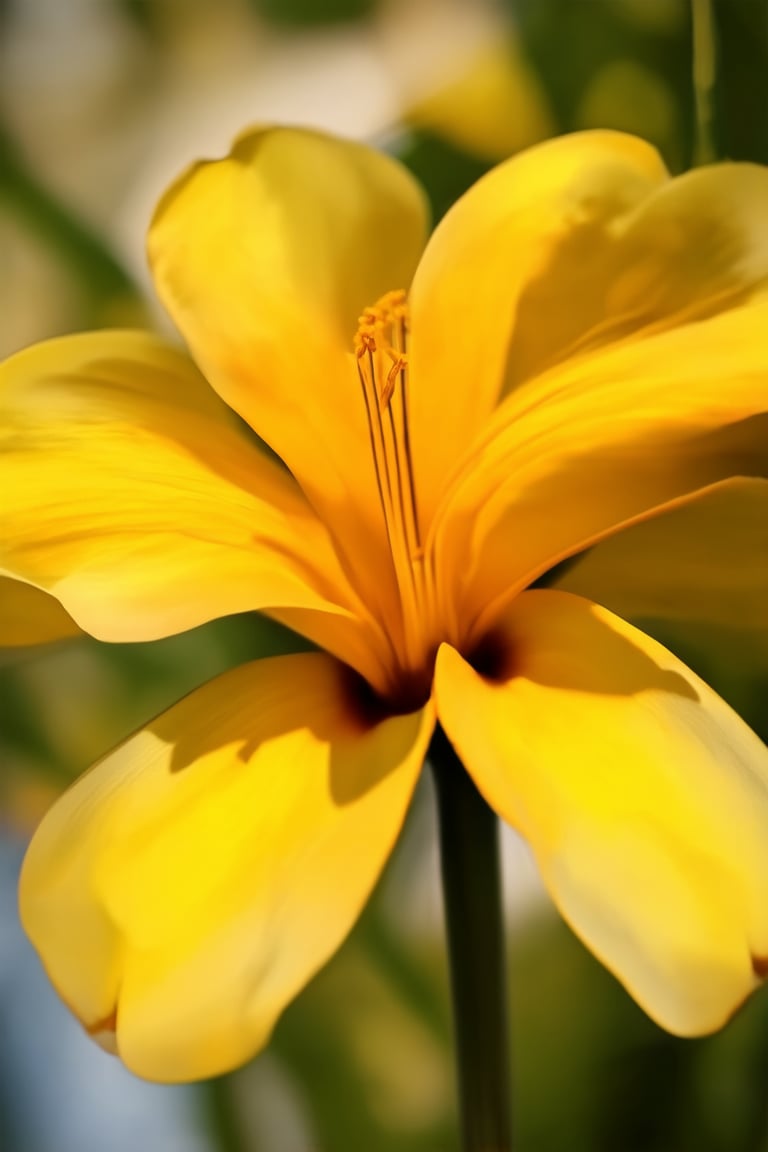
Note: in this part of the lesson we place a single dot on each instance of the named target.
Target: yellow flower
(579, 348)
(491, 107)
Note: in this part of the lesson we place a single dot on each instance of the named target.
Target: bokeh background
(102, 102)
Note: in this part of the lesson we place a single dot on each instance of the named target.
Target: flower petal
(643, 796)
(132, 497)
(29, 616)
(469, 293)
(703, 563)
(265, 261)
(186, 889)
(601, 442)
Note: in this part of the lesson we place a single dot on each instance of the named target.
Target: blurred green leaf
(100, 277)
(741, 85)
(444, 171)
(142, 13)
(571, 44)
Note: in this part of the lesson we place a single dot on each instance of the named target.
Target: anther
(398, 366)
(365, 343)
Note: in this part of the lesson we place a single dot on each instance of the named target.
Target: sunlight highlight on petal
(469, 286)
(643, 796)
(297, 259)
(132, 496)
(189, 885)
(600, 442)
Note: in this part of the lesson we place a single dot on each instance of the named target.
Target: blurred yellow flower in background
(578, 350)
(494, 107)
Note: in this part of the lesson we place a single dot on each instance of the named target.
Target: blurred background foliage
(101, 103)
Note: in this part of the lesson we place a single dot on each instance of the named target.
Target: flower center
(381, 350)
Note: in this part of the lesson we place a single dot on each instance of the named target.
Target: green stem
(223, 1115)
(471, 874)
(704, 70)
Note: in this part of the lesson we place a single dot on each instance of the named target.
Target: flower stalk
(471, 878)
(704, 78)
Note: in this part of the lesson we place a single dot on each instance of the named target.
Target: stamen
(382, 364)
(398, 367)
(406, 432)
(377, 407)
(371, 435)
